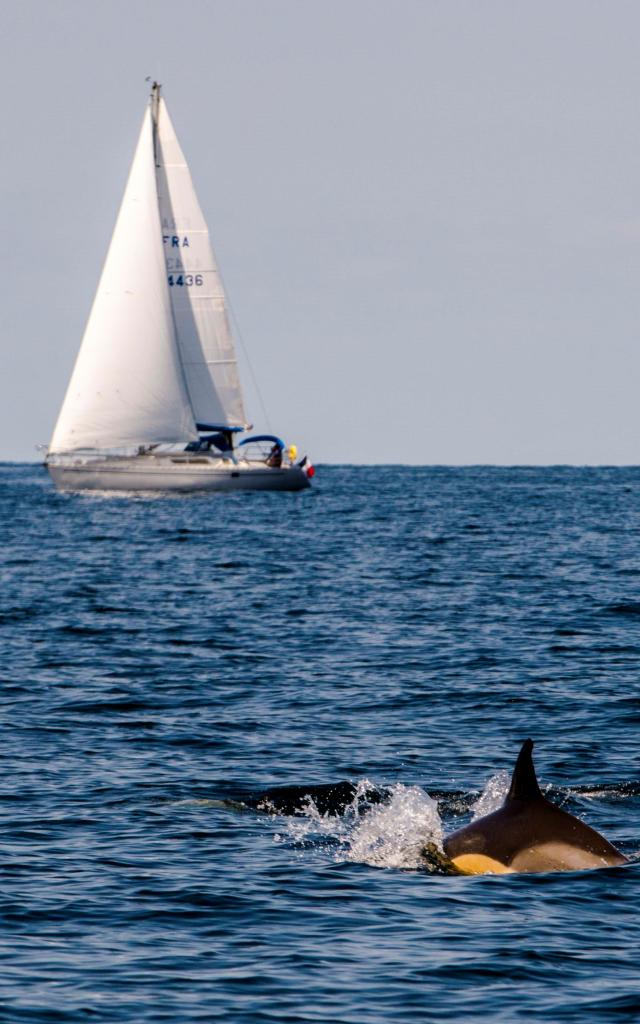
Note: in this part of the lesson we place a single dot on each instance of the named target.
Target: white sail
(127, 386)
(197, 297)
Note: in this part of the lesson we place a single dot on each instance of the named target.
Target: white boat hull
(172, 473)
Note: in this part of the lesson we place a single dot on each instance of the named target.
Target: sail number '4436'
(185, 279)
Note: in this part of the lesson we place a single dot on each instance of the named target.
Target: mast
(154, 106)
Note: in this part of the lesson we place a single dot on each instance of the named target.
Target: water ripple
(164, 659)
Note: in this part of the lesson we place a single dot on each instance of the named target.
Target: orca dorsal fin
(524, 784)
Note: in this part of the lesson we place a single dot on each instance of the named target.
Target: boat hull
(166, 473)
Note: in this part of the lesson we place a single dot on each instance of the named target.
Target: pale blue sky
(427, 214)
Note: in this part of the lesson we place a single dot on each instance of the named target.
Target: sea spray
(492, 796)
(390, 835)
(393, 835)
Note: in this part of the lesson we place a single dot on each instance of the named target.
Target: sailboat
(155, 401)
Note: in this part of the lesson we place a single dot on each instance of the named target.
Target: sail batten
(127, 387)
(203, 333)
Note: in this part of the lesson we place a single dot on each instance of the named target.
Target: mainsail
(128, 385)
(197, 297)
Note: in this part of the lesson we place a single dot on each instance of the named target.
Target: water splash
(613, 791)
(389, 835)
(309, 824)
(393, 835)
(492, 796)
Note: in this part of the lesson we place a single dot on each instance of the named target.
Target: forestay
(197, 297)
(127, 386)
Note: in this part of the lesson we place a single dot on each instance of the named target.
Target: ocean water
(164, 659)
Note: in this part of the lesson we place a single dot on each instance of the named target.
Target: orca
(527, 834)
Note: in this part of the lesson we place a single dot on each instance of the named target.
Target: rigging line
(238, 335)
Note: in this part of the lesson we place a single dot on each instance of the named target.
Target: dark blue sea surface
(165, 658)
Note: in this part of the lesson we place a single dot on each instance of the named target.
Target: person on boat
(274, 459)
(221, 440)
